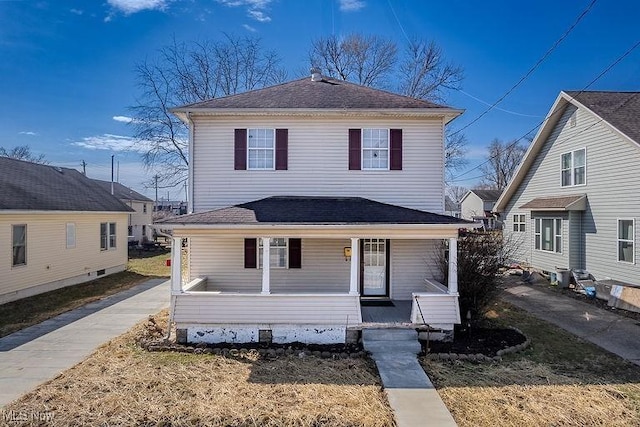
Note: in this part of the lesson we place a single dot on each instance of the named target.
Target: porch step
(389, 334)
(390, 341)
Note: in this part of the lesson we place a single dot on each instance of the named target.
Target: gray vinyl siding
(612, 184)
(549, 261)
(318, 163)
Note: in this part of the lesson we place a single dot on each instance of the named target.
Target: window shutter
(250, 253)
(240, 149)
(355, 155)
(395, 155)
(295, 253)
(282, 147)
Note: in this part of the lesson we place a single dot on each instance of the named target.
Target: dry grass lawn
(120, 384)
(558, 380)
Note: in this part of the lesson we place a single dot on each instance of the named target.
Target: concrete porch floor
(399, 313)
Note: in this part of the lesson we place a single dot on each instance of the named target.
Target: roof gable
(31, 186)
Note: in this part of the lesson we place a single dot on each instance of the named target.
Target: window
(107, 235)
(277, 252)
(574, 169)
(519, 222)
(548, 234)
(144, 208)
(261, 149)
(19, 239)
(71, 235)
(375, 149)
(625, 240)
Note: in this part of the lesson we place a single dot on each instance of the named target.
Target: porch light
(347, 253)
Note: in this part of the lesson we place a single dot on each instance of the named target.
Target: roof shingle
(122, 192)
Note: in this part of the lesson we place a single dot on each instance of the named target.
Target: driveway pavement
(617, 334)
(39, 353)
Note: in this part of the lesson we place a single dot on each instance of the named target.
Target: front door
(374, 267)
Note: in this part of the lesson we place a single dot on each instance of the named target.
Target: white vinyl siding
(318, 163)
(574, 168)
(19, 245)
(412, 263)
(626, 243)
(71, 235)
(375, 149)
(261, 149)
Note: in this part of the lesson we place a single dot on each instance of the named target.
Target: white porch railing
(435, 306)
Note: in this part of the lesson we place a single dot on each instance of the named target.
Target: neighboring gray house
(574, 202)
(477, 206)
(138, 228)
(451, 208)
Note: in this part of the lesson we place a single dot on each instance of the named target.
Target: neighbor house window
(19, 239)
(375, 149)
(107, 235)
(277, 252)
(71, 235)
(548, 234)
(626, 240)
(144, 208)
(261, 151)
(519, 222)
(574, 168)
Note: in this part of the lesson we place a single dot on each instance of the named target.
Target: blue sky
(67, 80)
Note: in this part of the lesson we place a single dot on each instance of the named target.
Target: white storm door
(374, 267)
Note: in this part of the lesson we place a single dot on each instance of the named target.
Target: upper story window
(107, 235)
(626, 239)
(548, 234)
(19, 245)
(574, 168)
(519, 222)
(375, 149)
(261, 150)
(144, 208)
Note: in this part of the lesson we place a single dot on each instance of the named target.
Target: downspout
(172, 298)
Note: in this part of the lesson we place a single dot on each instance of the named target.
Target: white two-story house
(307, 198)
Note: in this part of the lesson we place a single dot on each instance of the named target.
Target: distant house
(451, 208)
(170, 207)
(138, 229)
(57, 228)
(477, 206)
(575, 200)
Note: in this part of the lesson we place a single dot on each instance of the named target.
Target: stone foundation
(281, 334)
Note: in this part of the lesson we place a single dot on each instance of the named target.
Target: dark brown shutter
(395, 159)
(295, 253)
(250, 253)
(240, 149)
(354, 149)
(282, 144)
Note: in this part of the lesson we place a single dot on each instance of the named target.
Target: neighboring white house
(574, 202)
(477, 206)
(138, 229)
(308, 197)
(57, 228)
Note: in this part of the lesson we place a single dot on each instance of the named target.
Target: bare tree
(502, 161)
(424, 73)
(456, 193)
(455, 149)
(184, 73)
(23, 152)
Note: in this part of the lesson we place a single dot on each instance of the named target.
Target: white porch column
(266, 266)
(176, 264)
(355, 265)
(453, 265)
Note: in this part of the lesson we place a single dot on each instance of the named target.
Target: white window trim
(271, 248)
(73, 227)
(388, 150)
(273, 130)
(108, 242)
(633, 241)
(553, 236)
(25, 246)
(520, 224)
(572, 168)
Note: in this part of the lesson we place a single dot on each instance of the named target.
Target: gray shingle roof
(30, 186)
(304, 93)
(315, 210)
(122, 192)
(561, 203)
(488, 195)
(620, 109)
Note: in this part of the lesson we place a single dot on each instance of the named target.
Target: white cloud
(28, 132)
(351, 5)
(123, 119)
(108, 141)
(76, 11)
(255, 8)
(249, 28)
(133, 6)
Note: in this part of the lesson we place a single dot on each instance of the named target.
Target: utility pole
(112, 174)
(156, 178)
(84, 168)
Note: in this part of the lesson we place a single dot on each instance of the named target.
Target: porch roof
(300, 210)
(576, 202)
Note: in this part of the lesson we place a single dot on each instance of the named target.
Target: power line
(532, 69)
(515, 142)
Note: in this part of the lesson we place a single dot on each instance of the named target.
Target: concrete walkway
(412, 396)
(36, 354)
(617, 334)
